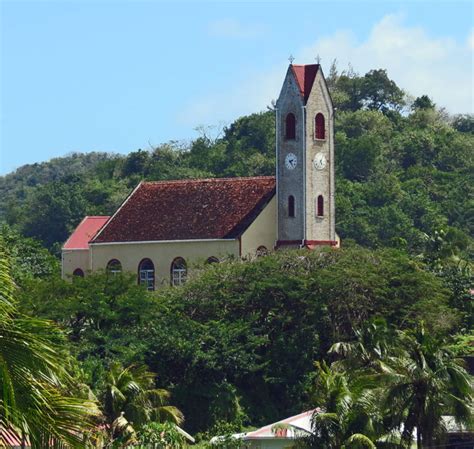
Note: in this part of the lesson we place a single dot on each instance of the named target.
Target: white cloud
(419, 63)
(437, 66)
(230, 28)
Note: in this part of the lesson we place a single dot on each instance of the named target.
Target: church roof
(189, 210)
(305, 75)
(85, 231)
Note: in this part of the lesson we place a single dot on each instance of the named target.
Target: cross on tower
(318, 58)
(291, 59)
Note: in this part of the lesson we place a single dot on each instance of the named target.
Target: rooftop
(220, 208)
(85, 231)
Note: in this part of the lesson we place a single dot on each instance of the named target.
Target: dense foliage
(238, 341)
(237, 344)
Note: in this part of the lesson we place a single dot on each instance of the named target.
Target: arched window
(212, 260)
(146, 274)
(261, 251)
(78, 272)
(291, 206)
(319, 127)
(114, 267)
(179, 271)
(320, 206)
(290, 127)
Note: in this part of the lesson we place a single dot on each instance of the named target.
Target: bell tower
(305, 160)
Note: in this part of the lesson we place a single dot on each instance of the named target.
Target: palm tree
(423, 382)
(415, 378)
(130, 400)
(34, 401)
(346, 417)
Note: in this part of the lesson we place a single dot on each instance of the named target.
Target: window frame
(292, 134)
(319, 129)
(110, 270)
(178, 276)
(147, 281)
(320, 206)
(261, 251)
(78, 272)
(291, 207)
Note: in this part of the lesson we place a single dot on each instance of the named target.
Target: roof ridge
(197, 180)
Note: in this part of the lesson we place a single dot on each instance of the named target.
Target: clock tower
(305, 160)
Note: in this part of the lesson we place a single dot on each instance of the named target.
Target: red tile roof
(305, 75)
(189, 209)
(85, 231)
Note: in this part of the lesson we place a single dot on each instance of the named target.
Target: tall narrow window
(78, 272)
(291, 206)
(290, 126)
(114, 267)
(179, 271)
(320, 206)
(146, 274)
(319, 127)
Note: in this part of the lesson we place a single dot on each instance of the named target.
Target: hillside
(237, 344)
(404, 172)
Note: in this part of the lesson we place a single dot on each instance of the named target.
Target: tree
(52, 211)
(423, 382)
(130, 401)
(380, 93)
(423, 102)
(343, 418)
(35, 399)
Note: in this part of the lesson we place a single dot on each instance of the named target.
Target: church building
(163, 228)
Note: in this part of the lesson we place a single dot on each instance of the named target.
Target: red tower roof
(305, 75)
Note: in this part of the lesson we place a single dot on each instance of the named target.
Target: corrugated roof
(189, 209)
(305, 75)
(85, 231)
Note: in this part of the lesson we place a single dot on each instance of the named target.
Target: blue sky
(117, 76)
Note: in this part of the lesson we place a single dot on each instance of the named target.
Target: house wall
(161, 254)
(75, 258)
(262, 232)
(269, 443)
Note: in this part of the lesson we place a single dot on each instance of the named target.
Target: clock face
(291, 161)
(320, 161)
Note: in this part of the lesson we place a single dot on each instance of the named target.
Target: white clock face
(320, 161)
(291, 161)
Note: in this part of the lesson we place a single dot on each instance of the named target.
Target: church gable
(189, 210)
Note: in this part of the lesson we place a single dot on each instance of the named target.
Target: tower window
(290, 126)
(291, 206)
(179, 271)
(319, 127)
(146, 274)
(114, 267)
(320, 206)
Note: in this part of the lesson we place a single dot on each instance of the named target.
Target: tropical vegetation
(99, 360)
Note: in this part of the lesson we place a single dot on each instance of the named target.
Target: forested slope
(404, 171)
(236, 344)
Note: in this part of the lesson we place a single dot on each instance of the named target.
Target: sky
(116, 76)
